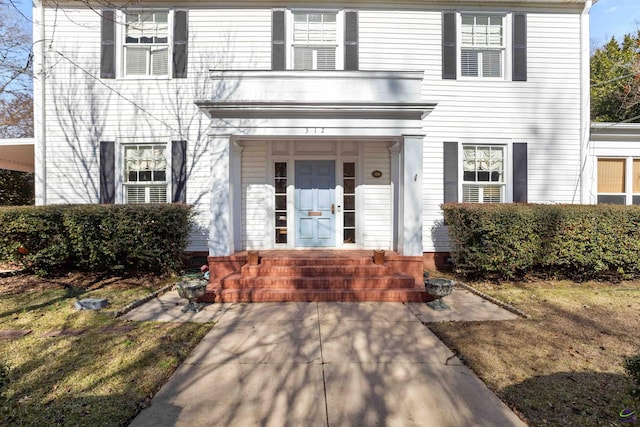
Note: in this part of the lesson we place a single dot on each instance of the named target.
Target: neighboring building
(305, 124)
(613, 167)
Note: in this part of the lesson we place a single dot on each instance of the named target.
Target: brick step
(317, 295)
(316, 270)
(238, 281)
(302, 262)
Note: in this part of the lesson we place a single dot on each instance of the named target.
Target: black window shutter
(107, 45)
(179, 171)
(180, 37)
(520, 172)
(107, 172)
(351, 61)
(450, 172)
(449, 50)
(519, 72)
(278, 58)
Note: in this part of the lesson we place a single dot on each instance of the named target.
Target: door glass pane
(281, 219)
(281, 186)
(350, 202)
(349, 186)
(349, 219)
(349, 170)
(349, 235)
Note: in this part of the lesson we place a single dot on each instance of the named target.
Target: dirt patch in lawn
(564, 365)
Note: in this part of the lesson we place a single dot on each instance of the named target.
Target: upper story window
(146, 43)
(315, 40)
(483, 174)
(482, 46)
(145, 173)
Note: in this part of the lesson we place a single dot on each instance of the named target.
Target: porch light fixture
(376, 174)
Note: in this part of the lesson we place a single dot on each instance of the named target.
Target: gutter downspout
(585, 104)
(39, 98)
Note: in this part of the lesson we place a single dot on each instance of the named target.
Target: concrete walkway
(323, 364)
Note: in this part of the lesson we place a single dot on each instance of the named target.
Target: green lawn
(564, 365)
(98, 378)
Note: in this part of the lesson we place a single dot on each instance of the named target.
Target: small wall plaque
(376, 174)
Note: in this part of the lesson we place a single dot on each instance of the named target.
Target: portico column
(411, 196)
(396, 208)
(221, 236)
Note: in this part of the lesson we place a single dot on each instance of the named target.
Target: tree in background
(615, 81)
(16, 99)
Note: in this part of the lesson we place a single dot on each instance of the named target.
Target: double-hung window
(482, 47)
(314, 41)
(145, 173)
(146, 43)
(483, 177)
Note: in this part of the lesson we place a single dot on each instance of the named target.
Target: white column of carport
(410, 192)
(223, 169)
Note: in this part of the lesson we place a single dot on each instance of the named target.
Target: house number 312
(315, 130)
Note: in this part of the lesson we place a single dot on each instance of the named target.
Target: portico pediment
(333, 100)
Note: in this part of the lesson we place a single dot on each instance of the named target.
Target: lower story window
(483, 174)
(145, 173)
(615, 184)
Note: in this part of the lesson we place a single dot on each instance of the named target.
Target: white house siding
(83, 109)
(543, 112)
(398, 40)
(376, 192)
(257, 196)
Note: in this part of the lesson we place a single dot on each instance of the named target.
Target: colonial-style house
(313, 132)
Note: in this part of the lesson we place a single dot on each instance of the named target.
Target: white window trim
(508, 43)
(628, 178)
(508, 165)
(121, 22)
(119, 169)
(339, 34)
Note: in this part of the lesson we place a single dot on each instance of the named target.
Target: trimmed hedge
(579, 242)
(45, 239)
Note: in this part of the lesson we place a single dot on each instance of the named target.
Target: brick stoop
(320, 275)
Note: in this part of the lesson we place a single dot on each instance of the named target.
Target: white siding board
(255, 191)
(376, 218)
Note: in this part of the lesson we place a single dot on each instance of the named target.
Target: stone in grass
(90, 304)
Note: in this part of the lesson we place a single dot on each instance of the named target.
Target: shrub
(508, 241)
(34, 237)
(632, 367)
(96, 237)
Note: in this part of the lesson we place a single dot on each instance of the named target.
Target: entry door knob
(333, 208)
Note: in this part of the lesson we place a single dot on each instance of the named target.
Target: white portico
(316, 160)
